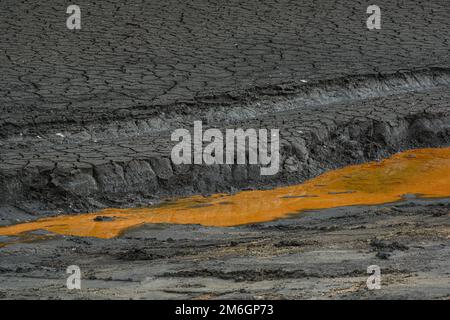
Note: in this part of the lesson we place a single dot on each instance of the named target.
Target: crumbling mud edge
(313, 140)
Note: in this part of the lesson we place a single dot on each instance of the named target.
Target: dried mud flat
(314, 255)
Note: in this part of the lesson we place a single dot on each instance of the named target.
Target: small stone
(383, 255)
(103, 219)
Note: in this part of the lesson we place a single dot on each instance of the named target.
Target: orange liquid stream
(424, 172)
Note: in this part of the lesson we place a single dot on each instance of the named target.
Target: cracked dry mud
(85, 123)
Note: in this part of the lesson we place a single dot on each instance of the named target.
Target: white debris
(60, 135)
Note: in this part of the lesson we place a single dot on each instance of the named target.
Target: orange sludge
(424, 172)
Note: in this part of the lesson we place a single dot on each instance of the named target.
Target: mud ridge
(229, 107)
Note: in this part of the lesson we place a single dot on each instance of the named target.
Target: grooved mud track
(86, 118)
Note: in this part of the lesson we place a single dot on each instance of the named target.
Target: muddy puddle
(420, 173)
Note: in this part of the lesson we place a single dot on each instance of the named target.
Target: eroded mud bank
(75, 172)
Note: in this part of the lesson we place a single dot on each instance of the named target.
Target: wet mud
(315, 255)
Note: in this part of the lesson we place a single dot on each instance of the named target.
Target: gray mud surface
(314, 255)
